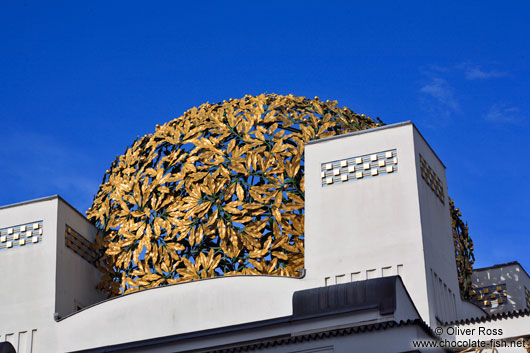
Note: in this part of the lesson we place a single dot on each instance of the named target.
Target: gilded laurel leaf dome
(217, 191)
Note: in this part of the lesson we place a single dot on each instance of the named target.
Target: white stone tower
(376, 205)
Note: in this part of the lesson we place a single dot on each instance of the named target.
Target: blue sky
(80, 80)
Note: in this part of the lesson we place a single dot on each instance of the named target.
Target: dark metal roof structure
(6, 347)
(378, 293)
(327, 334)
(493, 317)
(374, 293)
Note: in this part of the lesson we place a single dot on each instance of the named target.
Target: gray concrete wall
(359, 229)
(27, 292)
(515, 279)
(178, 309)
(76, 278)
(388, 224)
(43, 278)
(393, 339)
(502, 329)
(437, 238)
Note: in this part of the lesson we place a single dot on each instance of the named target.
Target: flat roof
(379, 128)
(379, 294)
(511, 263)
(497, 266)
(42, 199)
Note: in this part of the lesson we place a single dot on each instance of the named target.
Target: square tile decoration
(14, 236)
(359, 167)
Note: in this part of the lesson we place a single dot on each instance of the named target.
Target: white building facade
(380, 272)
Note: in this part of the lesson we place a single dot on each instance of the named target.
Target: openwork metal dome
(220, 191)
(217, 191)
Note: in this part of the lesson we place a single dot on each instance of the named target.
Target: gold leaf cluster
(217, 191)
(463, 251)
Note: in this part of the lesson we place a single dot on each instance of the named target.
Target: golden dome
(217, 191)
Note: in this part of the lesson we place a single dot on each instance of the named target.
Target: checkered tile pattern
(20, 235)
(80, 245)
(359, 167)
(432, 179)
(490, 296)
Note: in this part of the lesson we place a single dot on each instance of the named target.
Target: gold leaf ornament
(217, 191)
